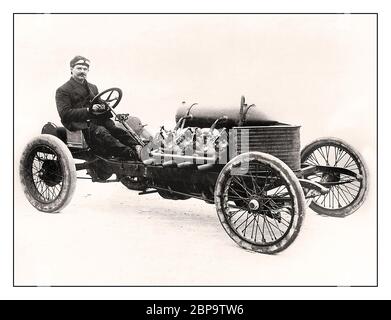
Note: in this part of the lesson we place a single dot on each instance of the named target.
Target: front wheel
(347, 192)
(259, 202)
(47, 173)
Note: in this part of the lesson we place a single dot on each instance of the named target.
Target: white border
(6, 289)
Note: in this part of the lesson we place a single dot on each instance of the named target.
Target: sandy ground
(109, 235)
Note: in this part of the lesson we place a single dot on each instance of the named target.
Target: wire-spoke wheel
(347, 192)
(259, 202)
(47, 173)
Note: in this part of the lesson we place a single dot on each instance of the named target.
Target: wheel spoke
(340, 157)
(349, 162)
(337, 154)
(234, 213)
(38, 185)
(323, 156)
(317, 198)
(54, 190)
(256, 228)
(44, 192)
(269, 228)
(246, 225)
(327, 154)
(236, 207)
(248, 190)
(343, 195)
(313, 158)
(277, 191)
(35, 167)
(287, 222)
(353, 167)
(255, 185)
(239, 184)
(264, 186)
(276, 224)
(108, 98)
(249, 224)
(335, 197)
(233, 198)
(263, 230)
(324, 198)
(245, 220)
(58, 187)
(49, 193)
(240, 197)
(240, 216)
(353, 196)
(350, 186)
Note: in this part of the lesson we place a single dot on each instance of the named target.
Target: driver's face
(79, 72)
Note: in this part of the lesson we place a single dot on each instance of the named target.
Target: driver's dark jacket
(72, 100)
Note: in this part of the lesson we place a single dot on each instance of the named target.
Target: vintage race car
(250, 167)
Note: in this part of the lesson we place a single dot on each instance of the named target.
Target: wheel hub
(330, 178)
(257, 206)
(50, 173)
(253, 205)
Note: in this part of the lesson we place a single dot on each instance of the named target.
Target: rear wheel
(48, 173)
(346, 193)
(259, 202)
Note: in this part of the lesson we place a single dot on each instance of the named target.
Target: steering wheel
(109, 98)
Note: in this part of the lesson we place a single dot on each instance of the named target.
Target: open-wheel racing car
(250, 167)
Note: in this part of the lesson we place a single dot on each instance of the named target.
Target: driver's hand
(98, 107)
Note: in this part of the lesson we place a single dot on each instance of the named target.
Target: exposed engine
(191, 143)
(203, 137)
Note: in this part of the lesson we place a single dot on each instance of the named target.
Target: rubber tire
(356, 204)
(67, 166)
(298, 197)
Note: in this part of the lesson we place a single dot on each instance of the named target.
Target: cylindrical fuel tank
(281, 141)
(204, 116)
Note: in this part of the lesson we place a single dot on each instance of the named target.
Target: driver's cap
(80, 60)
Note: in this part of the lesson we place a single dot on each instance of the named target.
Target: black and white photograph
(195, 150)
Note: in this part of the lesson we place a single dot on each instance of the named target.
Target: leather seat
(59, 132)
(74, 139)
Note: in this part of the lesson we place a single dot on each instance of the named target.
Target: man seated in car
(99, 130)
